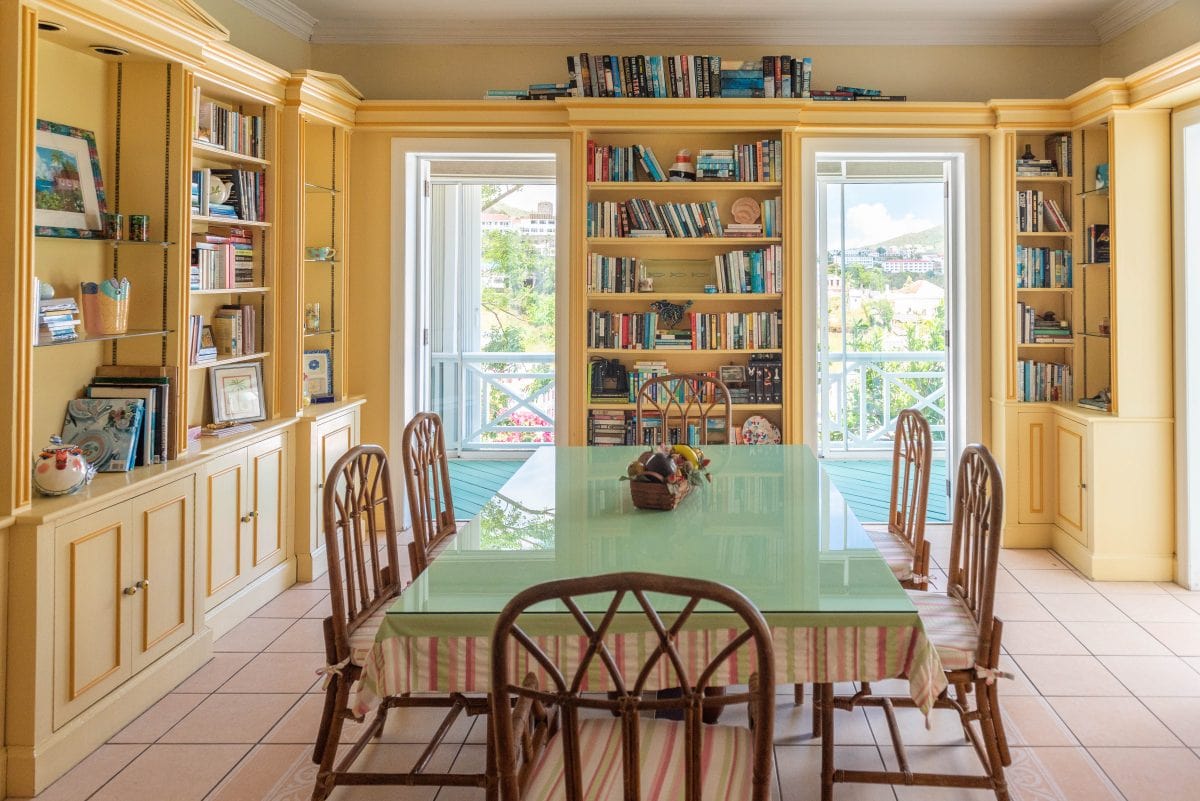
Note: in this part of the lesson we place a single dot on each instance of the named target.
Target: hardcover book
(106, 429)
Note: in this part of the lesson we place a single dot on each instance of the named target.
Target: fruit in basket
(692, 455)
(661, 464)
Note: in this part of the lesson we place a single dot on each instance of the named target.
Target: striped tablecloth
(415, 654)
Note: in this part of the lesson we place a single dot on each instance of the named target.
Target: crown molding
(286, 15)
(1125, 14)
(727, 31)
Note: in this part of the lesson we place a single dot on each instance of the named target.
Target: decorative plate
(745, 210)
(758, 430)
(218, 190)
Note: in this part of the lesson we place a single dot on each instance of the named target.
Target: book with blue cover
(106, 429)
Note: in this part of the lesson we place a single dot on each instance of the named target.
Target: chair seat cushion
(727, 762)
(950, 627)
(362, 639)
(895, 550)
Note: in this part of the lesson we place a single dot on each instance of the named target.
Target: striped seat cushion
(727, 761)
(362, 639)
(895, 550)
(949, 626)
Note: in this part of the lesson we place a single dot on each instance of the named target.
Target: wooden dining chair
(902, 541)
(427, 481)
(606, 744)
(364, 580)
(961, 626)
(682, 400)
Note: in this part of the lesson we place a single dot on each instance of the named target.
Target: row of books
(1032, 328)
(704, 331)
(221, 125)
(645, 76)
(57, 318)
(640, 217)
(768, 224)
(756, 161)
(1095, 244)
(1036, 168)
(244, 193)
(536, 91)
(764, 379)
(617, 163)
(136, 424)
(1043, 268)
(1043, 381)
(750, 271)
(1038, 213)
(221, 261)
(1057, 161)
(202, 344)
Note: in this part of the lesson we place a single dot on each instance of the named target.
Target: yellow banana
(688, 453)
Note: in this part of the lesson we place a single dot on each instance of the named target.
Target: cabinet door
(267, 462)
(225, 563)
(334, 438)
(163, 530)
(1035, 467)
(1071, 445)
(92, 636)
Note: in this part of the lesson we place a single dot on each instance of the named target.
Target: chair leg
(339, 689)
(327, 716)
(989, 727)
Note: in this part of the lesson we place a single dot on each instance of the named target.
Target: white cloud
(868, 223)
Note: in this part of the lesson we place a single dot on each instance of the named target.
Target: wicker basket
(652, 495)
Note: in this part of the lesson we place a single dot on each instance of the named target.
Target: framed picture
(318, 375)
(237, 393)
(68, 190)
(732, 373)
(207, 339)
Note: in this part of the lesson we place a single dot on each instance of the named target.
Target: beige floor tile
(403, 726)
(1039, 638)
(1080, 607)
(1039, 581)
(1070, 675)
(276, 673)
(1182, 638)
(1019, 684)
(292, 603)
(1128, 588)
(1164, 608)
(793, 725)
(1181, 716)
(91, 774)
(252, 635)
(1058, 774)
(799, 770)
(940, 759)
(1154, 675)
(303, 635)
(319, 610)
(944, 728)
(385, 757)
(1031, 559)
(155, 721)
(231, 718)
(270, 773)
(1151, 774)
(1030, 720)
(1191, 599)
(214, 673)
(1016, 606)
(1005, 582)
(301, 722)
(1113, 638)
(1177, 589)
(321, 582)
(174, 772)
(1113, 722)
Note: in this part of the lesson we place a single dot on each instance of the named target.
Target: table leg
(491, 791)
(825, 692)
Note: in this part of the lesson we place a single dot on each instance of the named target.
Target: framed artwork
(732, 373)
(237, 393)
(318, 375)
(207, 339)
(68, 190)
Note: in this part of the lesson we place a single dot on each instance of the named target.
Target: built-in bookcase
(1094, 256)
(679, 268)
(325, 252)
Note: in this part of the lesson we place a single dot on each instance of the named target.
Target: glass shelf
(322, 261)
(46, 342)
(318, 189)
(229, 360)
(116, 243)
(323, 333)
(1102, 192)
(205, 150)
(241, 290)
(233, 222)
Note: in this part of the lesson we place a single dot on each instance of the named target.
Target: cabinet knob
(1083, 486)
(254, 513)
(144, 584)
(246, 518)
(130, 590)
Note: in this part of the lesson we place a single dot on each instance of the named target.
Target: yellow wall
(1165, 33)
(922, 73)
(261, 37)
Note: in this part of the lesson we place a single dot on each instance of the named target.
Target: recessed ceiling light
(47, 25)
(109, 50)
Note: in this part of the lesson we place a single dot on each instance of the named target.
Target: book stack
(1060, 150)
(234, 329)
(1043, 381)
(641, 372)
(638, 217)
(613, 163)
(220, 125)
(1036, 168)
(1096, 244)
(1037, 213)
(608, 427)
(673, 340)
(764, 378)
(753, 271)
(58, 319)
(1043, 268)
(222, 260)
(1101, 401)
(613, 273)
(772, 76)
(247, 196)
(852, 93)
(535, 91)
(1032, 328)
(644, 76)
(756, 161)
(736, 330)
(154, 387)
(198, 351)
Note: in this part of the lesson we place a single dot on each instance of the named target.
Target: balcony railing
(864, 392)
(495, 401)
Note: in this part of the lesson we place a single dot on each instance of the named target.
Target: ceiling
(815, 22)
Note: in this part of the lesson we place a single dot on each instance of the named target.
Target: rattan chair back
(427, 480)
(912, 457)
(683, 399)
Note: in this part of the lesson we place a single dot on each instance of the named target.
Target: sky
(875, 212)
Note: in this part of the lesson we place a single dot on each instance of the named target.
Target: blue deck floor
(865, 484)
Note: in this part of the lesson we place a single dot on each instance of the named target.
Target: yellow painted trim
(484, 117)
(184, 597)
(1037, 461)
(22, 450)
(76, 691)
(322, 96)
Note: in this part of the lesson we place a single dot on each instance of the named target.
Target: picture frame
(732, 373)
(68, 189)
(237, 391)
(207, 338)
(317, 367)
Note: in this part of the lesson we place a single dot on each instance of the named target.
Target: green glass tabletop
(771, 524)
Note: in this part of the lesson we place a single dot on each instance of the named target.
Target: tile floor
(1105, 705)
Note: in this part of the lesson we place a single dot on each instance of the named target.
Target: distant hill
(927, 238)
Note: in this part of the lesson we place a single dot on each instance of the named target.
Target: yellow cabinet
(245, 528)
(1035, 467)
(1070, 440)
(124, 575)
(325, 434)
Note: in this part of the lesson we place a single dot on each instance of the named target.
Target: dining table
(771, 524)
